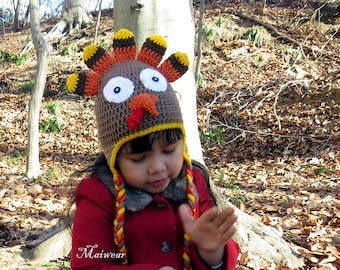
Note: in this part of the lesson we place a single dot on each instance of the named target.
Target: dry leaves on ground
(268, 116)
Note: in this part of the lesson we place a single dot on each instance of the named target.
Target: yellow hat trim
(142, 133)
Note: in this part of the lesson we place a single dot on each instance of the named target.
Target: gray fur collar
(137, 199)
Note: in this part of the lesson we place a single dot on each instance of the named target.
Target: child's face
(152, 170)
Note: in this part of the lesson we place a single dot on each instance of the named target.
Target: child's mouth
(158, 183)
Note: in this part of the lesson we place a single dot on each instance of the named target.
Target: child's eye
(169, 150)
(137, 158)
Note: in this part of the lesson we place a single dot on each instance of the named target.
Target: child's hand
(210, 231)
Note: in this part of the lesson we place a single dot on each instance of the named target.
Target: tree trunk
(32, 164)
(16, 15)
(175, 21)
(74, 15)
(260, 241)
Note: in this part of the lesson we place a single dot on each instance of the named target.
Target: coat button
(165, 247)
(159, 205)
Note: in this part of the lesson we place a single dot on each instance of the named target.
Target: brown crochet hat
(133, 96)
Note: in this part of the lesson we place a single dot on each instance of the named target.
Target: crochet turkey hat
(133, 98)
(133, 95)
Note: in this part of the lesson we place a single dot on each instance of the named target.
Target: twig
(265, 134)
(316, 138)
(199, 42)
(98, 21)
(234, 139)
(215, 99)
(275, 103)
(336, 32)
(317, 13)
(75, 62)
(261, 102)
(277, 97)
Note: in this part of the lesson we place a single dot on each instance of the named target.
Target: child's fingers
(206, 217)
(227, 215)
(228, 234)
(186, 217)
(210, 223)
(209, 216)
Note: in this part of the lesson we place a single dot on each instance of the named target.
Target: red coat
(153, 235)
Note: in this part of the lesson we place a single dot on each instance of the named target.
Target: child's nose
(156, 165)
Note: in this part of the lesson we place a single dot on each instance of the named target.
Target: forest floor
(268, 113)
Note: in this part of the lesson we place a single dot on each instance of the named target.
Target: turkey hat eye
(153, 80)
(118, 89)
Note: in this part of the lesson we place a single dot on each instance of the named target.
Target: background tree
(74, 15)
(42, 49)
(175, 21)
(17, 7)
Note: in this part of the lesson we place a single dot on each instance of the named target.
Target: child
(146, 205)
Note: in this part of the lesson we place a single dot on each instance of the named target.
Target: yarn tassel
(190, 189)
(118, 223)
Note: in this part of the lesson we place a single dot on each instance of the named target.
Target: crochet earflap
(133, 98)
